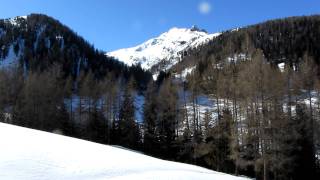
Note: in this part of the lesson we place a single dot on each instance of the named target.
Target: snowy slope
(30, 154)
(163, 51)
(11, 59)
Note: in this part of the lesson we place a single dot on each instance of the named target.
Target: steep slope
(31, 154)
(162, 52)
(283, 42)
(35, 42)
(11, 50)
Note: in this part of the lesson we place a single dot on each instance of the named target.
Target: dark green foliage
(298, 148)
(150, 120)
(215, 151)
(64, 123)
(97, 127)
(160, 119)
(167, 114)
(127, 128)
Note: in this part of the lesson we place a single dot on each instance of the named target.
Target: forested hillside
(54, 80)
(282, 40)
(36, 42)
(264, 83)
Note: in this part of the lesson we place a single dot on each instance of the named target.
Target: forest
(264, 124)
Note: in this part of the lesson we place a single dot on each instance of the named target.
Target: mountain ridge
(162, 52)
(36, 42)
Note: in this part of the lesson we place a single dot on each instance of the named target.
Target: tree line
(265, 123)
(267, 119)
(281, 40)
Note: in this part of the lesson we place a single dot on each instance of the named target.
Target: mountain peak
(163, 52)
(16, 20)
(196, 28)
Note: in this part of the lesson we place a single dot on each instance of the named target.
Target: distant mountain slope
(37, 41)
(283, 41)
(162, 52)
(31, 154)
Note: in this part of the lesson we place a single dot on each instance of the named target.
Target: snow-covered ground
(281, 66)
(138, 101)
(30, 154)
(139, 107)
(182, 76)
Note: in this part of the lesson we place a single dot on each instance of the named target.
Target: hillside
(284, 41)
(36, 42)
(31, 154)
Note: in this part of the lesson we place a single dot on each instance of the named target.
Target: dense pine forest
(264, 122)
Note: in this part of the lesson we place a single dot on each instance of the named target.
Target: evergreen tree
(96, 127)
(167, 122)
(150, 120)
(128, 129)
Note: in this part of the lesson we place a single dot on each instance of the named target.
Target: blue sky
(114, 24)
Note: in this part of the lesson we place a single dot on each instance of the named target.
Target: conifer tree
(150, 119)
(128, 129)
(166, 124)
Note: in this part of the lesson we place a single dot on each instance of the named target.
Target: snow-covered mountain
(32, 154)
(162, 52)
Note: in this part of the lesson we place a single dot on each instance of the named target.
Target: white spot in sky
(204, 7)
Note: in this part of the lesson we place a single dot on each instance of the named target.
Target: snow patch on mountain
(11, 59)
(281, 66)
(61, 41)
(162, 52)
(183, 75)
(2, 32)
(139, 101)
(15, 21)
(238, 57)
(39, 32)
